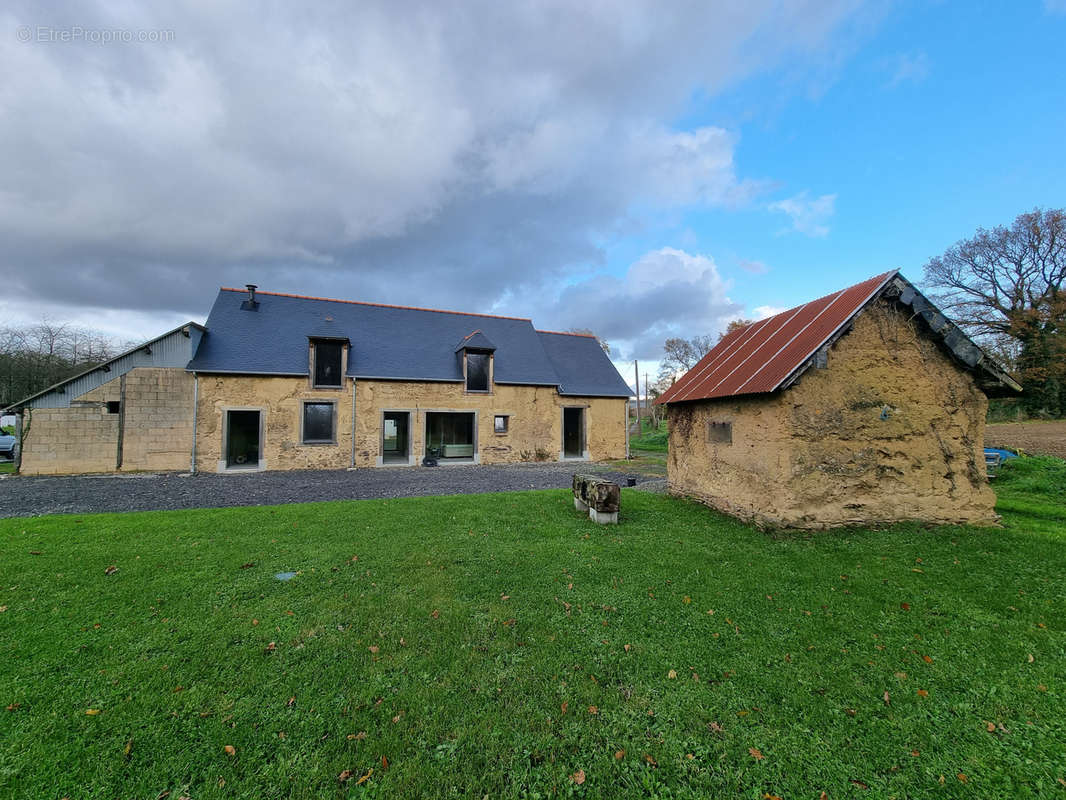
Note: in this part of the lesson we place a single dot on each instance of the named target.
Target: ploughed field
(503, 645)
(1043, 438)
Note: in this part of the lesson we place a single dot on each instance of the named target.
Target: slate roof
(582, 366)
(475, 341)
(392, 343)
(771, 354)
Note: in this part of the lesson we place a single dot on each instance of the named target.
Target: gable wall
(892, 429)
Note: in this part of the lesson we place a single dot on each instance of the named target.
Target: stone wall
(534, 429)
(155, 421)
(892, 429)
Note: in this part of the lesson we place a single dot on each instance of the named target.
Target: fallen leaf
(619, 755)
(35, 552)
(756, 753)
(373, 648)
(594, 710)
(923, 693)
(768, 796)
(927, 659)
(255, 622)
(360, 736)
(270, 648)
(505, 597)
(901, 675)
(714, 727)
(397, 718)
(905, 606)
(230, 750)
(671, 674)
(435, 614)
(859, 783)
(91, 712)
(345, 776)
(14, 706)
(850, 712)
(384, 764)
(1030, 658)
(887, 701)
(366, 777)
(626, 647)
(742, 713)
(915, 753)
(111, 570)
(246, 566)
(3, 609)
(823, 796)
(578, 777)
(649, 760)
(127, 749)
(962, 777)
(564, 705)
(686, 600)
(690, 757)
(292, 701)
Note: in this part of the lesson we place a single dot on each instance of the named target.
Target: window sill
(328, 388)
(316, 444)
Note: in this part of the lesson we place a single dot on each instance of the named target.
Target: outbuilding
(866, 406)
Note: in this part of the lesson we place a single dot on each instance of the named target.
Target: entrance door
(242, 439)
(573, 432)
(395, 437)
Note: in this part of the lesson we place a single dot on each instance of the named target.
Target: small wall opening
(720, 432)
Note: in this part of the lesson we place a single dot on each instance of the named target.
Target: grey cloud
(464, 155)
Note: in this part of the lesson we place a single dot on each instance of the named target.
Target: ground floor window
(501, 423)
(450, 435)
(317, 425)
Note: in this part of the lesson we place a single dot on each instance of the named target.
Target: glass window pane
(501, 425)
(477, 372)
(318, 422)
(328, 363)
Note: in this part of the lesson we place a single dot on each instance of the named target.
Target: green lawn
(500, 645)
(7, 467)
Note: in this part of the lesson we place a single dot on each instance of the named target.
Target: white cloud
(411, 152)
(762, 312)
(810, 217)
(665, 293)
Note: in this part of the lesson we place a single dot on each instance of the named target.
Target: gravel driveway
(29, 496)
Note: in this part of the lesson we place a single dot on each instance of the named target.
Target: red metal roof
(760, 357)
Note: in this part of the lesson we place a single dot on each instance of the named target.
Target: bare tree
(1005, 286)
(34, 357)
(681, 355)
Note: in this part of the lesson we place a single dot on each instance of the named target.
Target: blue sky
(949, 116)
(641, 169)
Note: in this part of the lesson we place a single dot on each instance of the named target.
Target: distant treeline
(34, 357)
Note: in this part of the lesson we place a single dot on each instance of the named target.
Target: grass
(7, 467)
(654, 439)
(499, 644)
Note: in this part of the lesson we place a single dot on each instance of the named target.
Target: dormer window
(327, 364)
(477, 372)
(476, 352)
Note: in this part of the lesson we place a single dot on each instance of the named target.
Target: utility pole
(647, 396)
(636, 375)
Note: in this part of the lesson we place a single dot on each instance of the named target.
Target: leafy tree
(1005, 287)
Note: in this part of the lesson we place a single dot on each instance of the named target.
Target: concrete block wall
(155, 420)
(69, 440)
(158, 420)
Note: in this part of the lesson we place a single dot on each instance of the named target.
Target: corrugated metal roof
(760, 357)
(171, 349)
(770, 354)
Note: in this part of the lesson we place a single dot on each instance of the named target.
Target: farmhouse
(277, 381)
(864, 406)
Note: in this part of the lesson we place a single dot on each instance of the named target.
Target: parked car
(7, 445)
